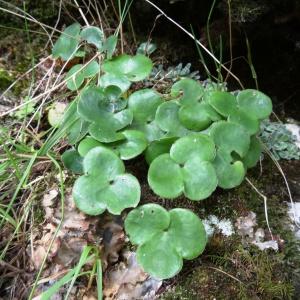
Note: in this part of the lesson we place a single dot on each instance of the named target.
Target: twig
(199, 43)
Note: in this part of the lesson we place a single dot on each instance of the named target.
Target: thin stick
(82, 14)
(199, 43)
(265, 204)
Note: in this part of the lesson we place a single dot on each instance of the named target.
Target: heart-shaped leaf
(135, 68)
(188, 91)
(72, 161)
(104, 185)
(120, 81)
(165, 238)
(230, 137)
(223, 102)
(186, 169)
(66, 45)
(93, 35)
(167, 119)
(255, 103)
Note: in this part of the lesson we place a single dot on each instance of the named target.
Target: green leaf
(230, 137)
(188, 90)
(93, 35)
(167, 119)
(200, 179)
(72, 161)
(120, 81)
(109, 45)
(106, 129)
(158, 147)
(104, 185)
(134, 144)
(65, 46)
(187, 233)
(254, 153)
(195, 116)
(144, 103)
(186, 169)
(91, 69)
(144, 222)
(75, 78)
(230, 174)
(135, 68)
(194, 145)
(250, 124)
(90, 104)
(223, 102)
(165, 238)
(87, 144)
(158, 258)
(165, 177)
(255, 103)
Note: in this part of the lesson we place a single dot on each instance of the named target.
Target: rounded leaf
(255, 103)
(187, 233)
(91, 69)
(142, 223)
(93, 35)
(90, 102)
(72, 161)
(194, 145)
(134, 144)
(120, 81)
(143, 104)
(250, 124)
(66, 45)
(229, 174)
(87, 144)
(188, 90)
(223, 102)
(75, 78)
(103, 163)
(230, 137)
(122, 192)
(158, 147)
(194, 117)
(200, 179)
(158, 258)
(165, 177)
(253, 155)
(135, 68)
(167, 119)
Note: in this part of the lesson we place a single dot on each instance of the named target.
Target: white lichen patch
(213, 223)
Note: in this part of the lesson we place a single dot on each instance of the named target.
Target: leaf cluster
(194, 139)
